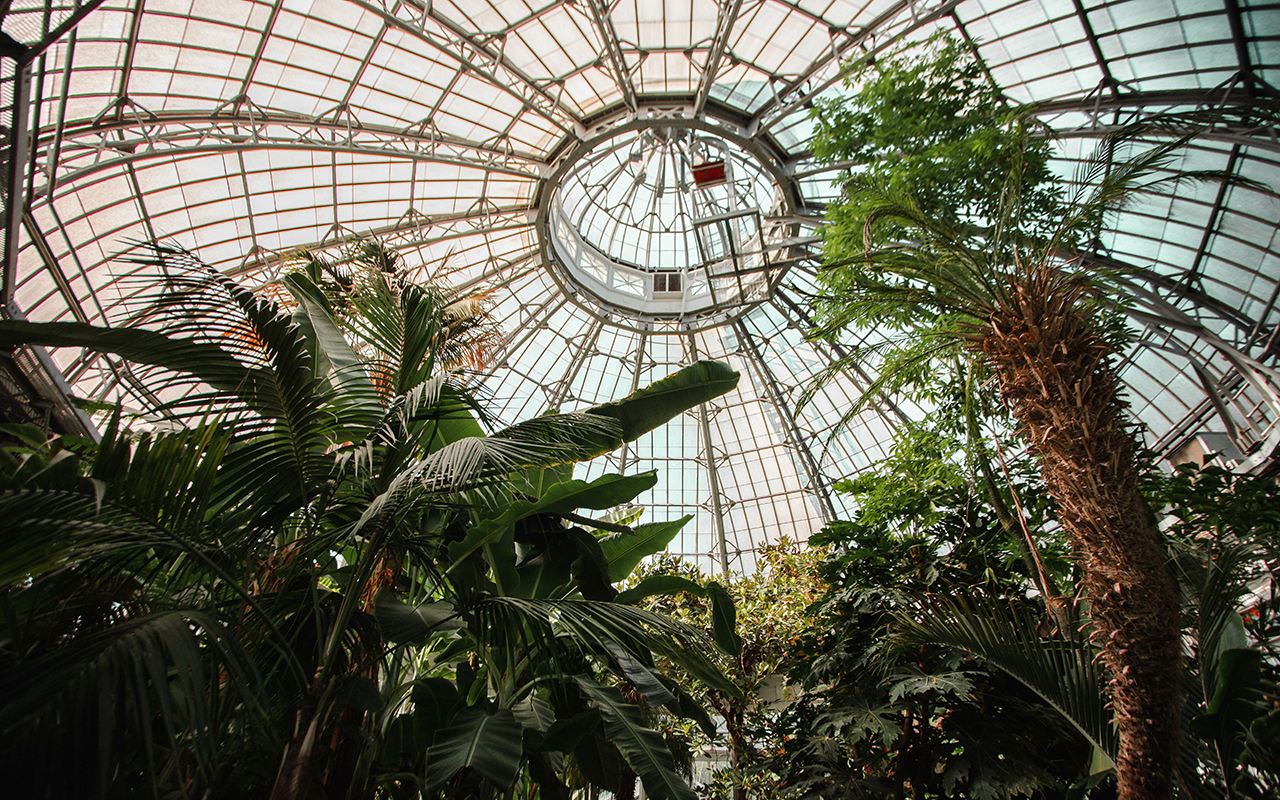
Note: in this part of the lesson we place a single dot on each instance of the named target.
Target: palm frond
(1063, 672)
(598, 627)
(61, 719)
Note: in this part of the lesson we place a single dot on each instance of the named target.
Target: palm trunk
(1054, 373)
(293, 780)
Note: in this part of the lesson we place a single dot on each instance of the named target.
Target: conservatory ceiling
(629, 185)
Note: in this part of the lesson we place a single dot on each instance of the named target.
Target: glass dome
(561, 156)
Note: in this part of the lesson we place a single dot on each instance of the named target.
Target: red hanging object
(710, 173)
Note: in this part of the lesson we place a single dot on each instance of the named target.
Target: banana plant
(317, 572)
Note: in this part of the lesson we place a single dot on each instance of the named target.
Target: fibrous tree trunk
(1054, 373)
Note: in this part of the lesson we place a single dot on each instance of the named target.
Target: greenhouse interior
(606, 398)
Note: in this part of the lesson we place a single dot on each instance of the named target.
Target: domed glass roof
(630, 184)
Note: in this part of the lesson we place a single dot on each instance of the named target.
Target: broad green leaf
(405, 624)
(957, 683)
(534, 713)
(657, 403)
(724, 620)
(434, 700)
(561, 498)
(643, 748)
(659, 584)
(334, 358)
(599, 761)
(565, 734)
(590, 570)
(641, 677)
(549, 574)
(622, 516)
(488, 743)
(625, 551)
(604, 492)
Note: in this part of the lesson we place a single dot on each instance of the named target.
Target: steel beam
(791, 430)
(602, 17)
(473, 55)
(16, 160)
(525, 331)
(796, 315)
(635, 386)
(1108, 80)
(1192, 277)
(712, 472)
(726, 18)
(887, 28)
(66, 26)
(580, 357)
(93, 146)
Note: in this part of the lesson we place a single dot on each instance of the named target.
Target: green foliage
(335, 583)
(1224, 532)
(755, 619)
(876, 714)
(930, 123)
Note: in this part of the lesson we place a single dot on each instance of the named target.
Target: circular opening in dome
(661, 223)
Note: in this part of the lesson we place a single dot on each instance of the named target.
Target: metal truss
(726, 18)
(882, 32)
(475, 55)
(713, 472)
(413, 229)
(136, 134)
(622, 74)
(793, 436)
(64, 27)
(1231, 112)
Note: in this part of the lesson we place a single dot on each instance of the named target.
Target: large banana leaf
(405, 624)
(488, 743)
(562, 498)
(644, 410)
(335, 360)
(642, 747)
(654, 405)
(625, 551)
(1064, 673)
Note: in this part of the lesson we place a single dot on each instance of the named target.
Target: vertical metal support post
(711, 469)
(635, 385)
(790, 429)
(15, 180)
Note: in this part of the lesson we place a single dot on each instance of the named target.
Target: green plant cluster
(928, 122)
(317, 575)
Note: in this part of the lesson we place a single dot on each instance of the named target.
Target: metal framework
(139, 135)
(463, 134)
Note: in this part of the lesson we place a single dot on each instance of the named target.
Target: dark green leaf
(626, 551)
(659, 584)
(724, 620)
(405, 624)
(643, 748)
(657, 403)
(488, 743)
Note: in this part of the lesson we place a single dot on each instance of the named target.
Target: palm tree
(318, 572)
(1033, 319)
(1221, 536)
